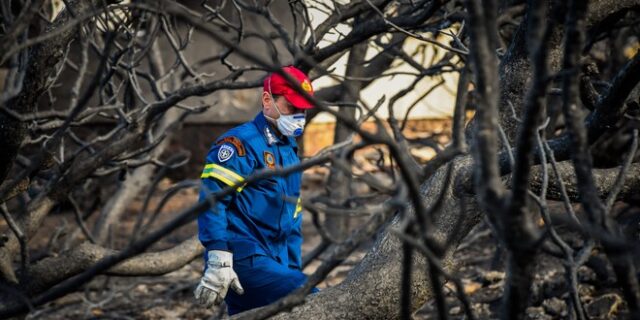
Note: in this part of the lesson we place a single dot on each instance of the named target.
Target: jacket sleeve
(225, 166)
(294, 241)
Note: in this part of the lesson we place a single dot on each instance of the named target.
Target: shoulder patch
(236, 143)
(225, 153)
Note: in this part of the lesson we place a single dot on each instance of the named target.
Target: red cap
(280, 86)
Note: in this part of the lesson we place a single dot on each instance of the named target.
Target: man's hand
(217, 278)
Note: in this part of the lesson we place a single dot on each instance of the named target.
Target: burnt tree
(556, 118)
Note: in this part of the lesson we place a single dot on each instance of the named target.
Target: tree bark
(376, 281)
(339, 183)
(49, 271)
(43, 62)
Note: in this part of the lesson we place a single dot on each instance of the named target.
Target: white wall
(438, 104)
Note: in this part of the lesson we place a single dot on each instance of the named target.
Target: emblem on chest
(271, 139)
(269, 160)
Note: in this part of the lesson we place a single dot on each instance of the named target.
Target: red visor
(280, 86)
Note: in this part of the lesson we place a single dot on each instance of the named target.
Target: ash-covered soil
(482, 272)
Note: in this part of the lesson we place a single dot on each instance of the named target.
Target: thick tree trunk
(515, 68)
(372, 289)
(50, 271)
(43, 61)
(339, 184)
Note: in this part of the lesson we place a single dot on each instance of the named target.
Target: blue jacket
(262, 218)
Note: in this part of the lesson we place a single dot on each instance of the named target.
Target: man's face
(284, 106)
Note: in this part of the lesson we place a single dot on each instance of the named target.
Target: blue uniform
(260, 223)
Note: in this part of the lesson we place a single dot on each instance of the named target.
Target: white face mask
(291, 125)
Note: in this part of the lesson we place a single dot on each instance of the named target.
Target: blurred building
(229, 108)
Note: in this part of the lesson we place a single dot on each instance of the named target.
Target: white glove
(216, 280)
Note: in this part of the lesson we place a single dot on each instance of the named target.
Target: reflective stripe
(223, 174)
(298, 208)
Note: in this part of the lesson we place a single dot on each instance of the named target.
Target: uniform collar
(268, 132)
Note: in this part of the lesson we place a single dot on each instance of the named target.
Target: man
(253, 237)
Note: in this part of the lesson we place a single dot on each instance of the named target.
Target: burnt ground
(170, 296)
(482, 268)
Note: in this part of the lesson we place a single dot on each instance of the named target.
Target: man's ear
(266, 100)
